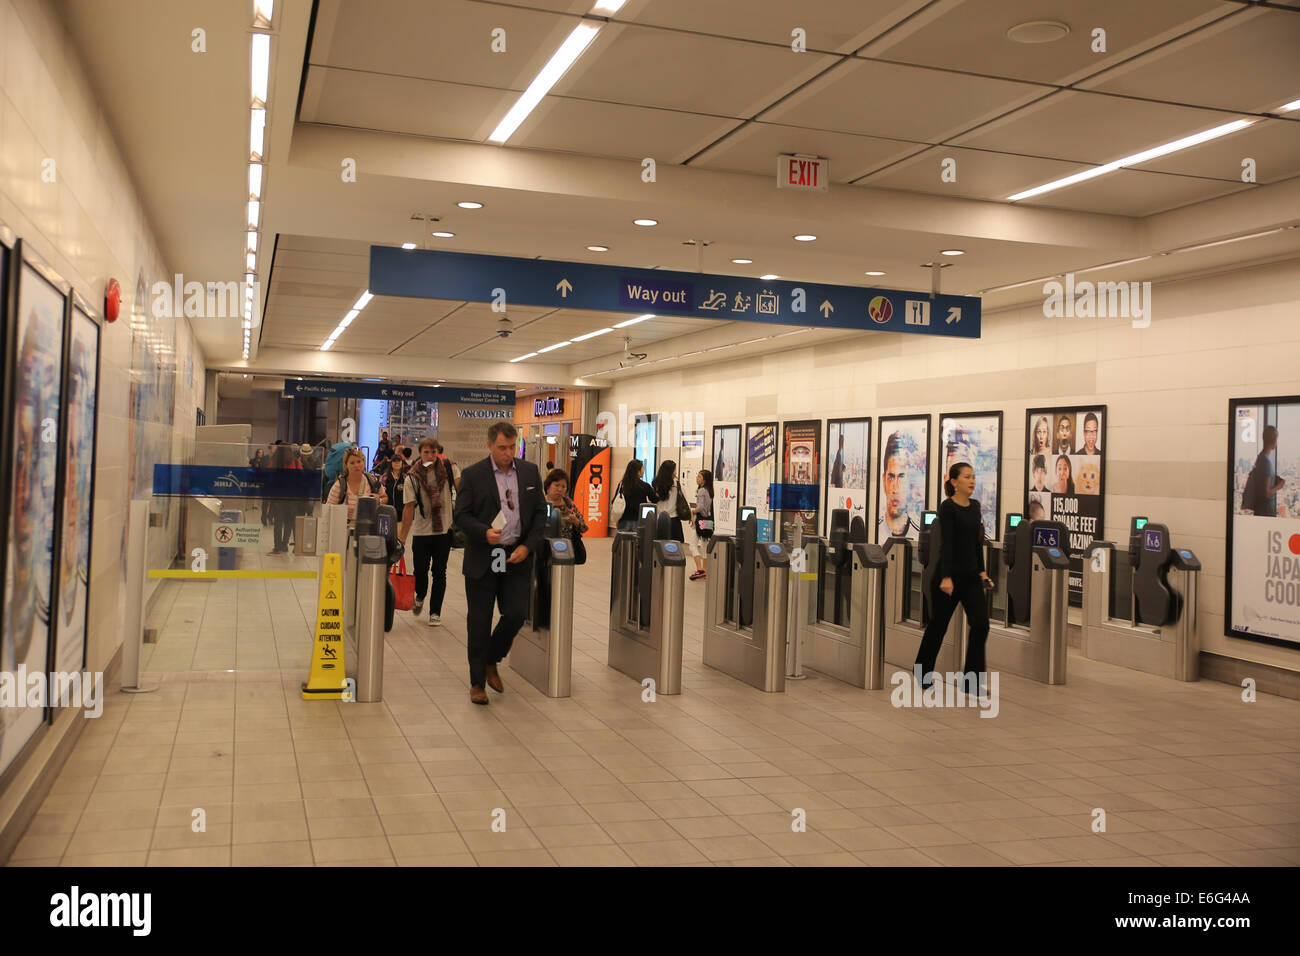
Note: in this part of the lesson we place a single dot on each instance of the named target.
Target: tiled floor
(1187, 774)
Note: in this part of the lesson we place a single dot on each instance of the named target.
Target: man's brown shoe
(478, 695)
(494, 679)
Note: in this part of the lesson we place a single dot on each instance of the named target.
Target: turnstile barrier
(543, 650)
(1159, 633)
(647, 590)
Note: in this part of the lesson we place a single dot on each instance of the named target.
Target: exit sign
(803, 172)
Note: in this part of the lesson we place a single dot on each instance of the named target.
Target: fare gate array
(1156, 632)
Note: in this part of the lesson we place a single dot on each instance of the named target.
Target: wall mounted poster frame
(690, 459)
(848, 468)
(80, 405)
(801, 463)
(725, 455)
(1262, 601)
(35, 319)
(1071, 488)
(903, 466)
(975, 437)
(760, 474)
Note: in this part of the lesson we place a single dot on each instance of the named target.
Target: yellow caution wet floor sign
(328, 680)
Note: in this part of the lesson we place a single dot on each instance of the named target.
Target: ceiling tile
(1220, 66)
(980, 174)
(1129, 192)
(899, 102)
(1274, 145)
(624, 132)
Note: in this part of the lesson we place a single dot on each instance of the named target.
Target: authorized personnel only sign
(803, 172)
(227, 534)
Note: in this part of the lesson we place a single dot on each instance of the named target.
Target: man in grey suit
(502, 510)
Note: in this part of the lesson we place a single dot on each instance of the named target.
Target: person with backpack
(333, 465)
(355, 482)
(1262, 485)
(426, 517)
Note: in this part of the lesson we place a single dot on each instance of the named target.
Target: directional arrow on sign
(954, 315)
(564, 287)
(825, 308)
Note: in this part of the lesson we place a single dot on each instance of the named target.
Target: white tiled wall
(1166, 388)
(88, 224)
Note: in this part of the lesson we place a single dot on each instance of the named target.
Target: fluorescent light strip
(364, 301)
(552, 348)
(408, 245)
(639, 318)
(347, 319)
(257, 136)
(522, 357)
(1288, 107)
(1224, 242)
(254, 213)
(252, 241)
(591, 335)
(550, 74)
(262, 10)
(608, 7)
(261, 63)
(1111, 265)
(1145, 156)
(254, 180)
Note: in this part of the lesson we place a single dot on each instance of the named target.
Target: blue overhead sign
(498, 398)
(459, 276)
(223, 482)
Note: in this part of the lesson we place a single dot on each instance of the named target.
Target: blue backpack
(334, 461)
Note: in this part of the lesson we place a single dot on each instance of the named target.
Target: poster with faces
(848, 467)
(1065, 474)
(904, 482)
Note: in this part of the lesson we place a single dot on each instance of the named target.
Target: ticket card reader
(372, 548)
(647, 588)
(543, 651)
(927, 551)
(749, 644)
(1159, 634)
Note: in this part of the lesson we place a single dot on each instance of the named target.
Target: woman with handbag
(671, 499)
(703, 521)
(572, 525)
(634, 492)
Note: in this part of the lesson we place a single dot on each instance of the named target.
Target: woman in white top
(668, 494)
(355, 483)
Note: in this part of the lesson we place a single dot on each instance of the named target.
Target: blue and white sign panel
(427, 274)
(221, 482)
(387, 391)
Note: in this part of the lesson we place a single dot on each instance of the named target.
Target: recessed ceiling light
(1038, 31)
(952, 252)
(1288, 107)
(645, 222)
(639, 318)
(804, 238)
(608, 6)
(408, 245)
(444, 235)
(591, 335)
(742, 262)
(769, 277)
(598, 248)
(874, 273)
(470, 205)
(550, 74)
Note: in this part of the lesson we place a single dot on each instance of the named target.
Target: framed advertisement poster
(1263, 540)
(1066, 477)
(726, 477)
(800, 475)
(80, 401)
(33, 366)
(904, 470)
(760, 475)
(690, 460)
(848, 467)
(975, 438)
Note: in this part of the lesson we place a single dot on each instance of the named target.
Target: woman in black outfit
(960, 579)
(635, 492)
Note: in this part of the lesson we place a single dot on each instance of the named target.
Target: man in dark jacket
(502, 510)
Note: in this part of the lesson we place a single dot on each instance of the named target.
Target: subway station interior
(723, 351)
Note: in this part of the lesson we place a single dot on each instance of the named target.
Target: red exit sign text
(803, 172)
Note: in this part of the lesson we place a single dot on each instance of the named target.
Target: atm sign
(803, 172)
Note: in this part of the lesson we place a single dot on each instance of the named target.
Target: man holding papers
(501, 509)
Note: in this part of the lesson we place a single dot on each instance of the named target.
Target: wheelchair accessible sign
(460, 276)
(229, 534)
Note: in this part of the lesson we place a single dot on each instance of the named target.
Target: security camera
(504, 327)
(629, 355)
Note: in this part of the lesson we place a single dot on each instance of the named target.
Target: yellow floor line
(201, 575)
